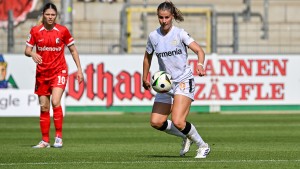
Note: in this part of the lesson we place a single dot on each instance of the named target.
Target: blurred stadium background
(242, 26)
(109, 31)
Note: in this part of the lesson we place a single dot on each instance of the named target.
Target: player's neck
(165, 32)
(49, 27)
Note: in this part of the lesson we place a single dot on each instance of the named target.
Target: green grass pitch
(127, 141)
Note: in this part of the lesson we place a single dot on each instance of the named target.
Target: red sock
(45, 125)
(58, 120)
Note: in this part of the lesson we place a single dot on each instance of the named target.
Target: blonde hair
(3, 64)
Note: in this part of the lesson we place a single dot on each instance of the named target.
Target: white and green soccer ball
(161, 82)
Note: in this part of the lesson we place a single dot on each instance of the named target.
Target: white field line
(151, 162)
(101, 126)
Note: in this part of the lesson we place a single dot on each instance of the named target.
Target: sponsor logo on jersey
(169, 53)
(45, 48)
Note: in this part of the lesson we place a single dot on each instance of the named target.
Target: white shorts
(186, 88)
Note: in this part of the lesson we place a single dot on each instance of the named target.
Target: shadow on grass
(166, 156)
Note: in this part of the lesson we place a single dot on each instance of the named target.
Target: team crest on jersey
(174, 42)
(57, 41)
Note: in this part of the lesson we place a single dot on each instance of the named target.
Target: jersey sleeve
(31, 39)
(186, 38)
(149, 46)
(67, 38)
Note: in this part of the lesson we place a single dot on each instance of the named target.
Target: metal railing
(104, 37)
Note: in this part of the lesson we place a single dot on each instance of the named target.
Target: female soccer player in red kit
(50, 39)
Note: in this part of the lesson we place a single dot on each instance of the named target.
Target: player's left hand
(200, 70)
(79, 77)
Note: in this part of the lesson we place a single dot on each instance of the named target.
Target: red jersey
(50, 45)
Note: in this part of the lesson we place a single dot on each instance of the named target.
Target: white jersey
(171, 52)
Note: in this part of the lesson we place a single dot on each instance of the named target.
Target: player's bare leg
(159, 121)
(180, 111)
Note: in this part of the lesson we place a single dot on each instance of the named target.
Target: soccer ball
(161, 82)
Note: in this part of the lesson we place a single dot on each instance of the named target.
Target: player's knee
(55, 102)
(156, 124)
(179, 124)
(45, 107)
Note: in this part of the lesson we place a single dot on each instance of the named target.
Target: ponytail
(168, 5)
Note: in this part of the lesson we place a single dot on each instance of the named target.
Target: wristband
(200, 64)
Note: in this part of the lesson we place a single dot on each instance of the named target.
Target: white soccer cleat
(42, 144)
(58, 143)
(203, 151)
(186, 143)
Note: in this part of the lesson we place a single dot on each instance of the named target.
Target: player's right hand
(37, 58)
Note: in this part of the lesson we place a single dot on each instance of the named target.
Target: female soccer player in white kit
(170, 46)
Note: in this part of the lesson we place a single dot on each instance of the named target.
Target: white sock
(171, 129)
(195, 136)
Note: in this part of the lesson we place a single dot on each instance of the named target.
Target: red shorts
(44, 86)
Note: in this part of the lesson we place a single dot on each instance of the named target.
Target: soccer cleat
(186, 143)
(58, 142)
(203, 151)
(42, 144)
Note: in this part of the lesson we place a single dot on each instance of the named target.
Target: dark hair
(49, 6)
(168, 5)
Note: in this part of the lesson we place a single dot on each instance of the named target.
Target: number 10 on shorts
(61, 80)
